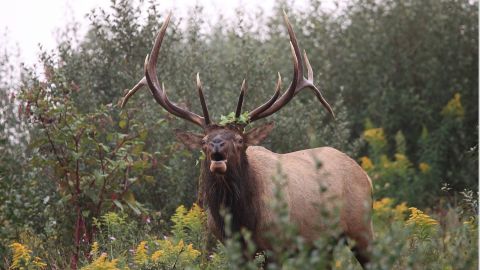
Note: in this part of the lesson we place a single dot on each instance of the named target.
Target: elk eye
(240, 140)
(204, 142)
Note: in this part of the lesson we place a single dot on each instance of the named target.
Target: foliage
(392, 173)
(231, 119)
(102, 263)
(175, 251)
(190, 225)
(85, 163)
(406, 238)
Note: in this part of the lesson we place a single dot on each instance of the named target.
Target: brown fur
(236, 192)
(347, 189)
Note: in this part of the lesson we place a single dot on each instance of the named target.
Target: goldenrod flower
(195, 215)
(374, 134)
(424, 167)
(157, 255)
(192, 253)
(102, 263)
(22, 258)
(454, 107)
(37, 262)
(141, 257)
(366, 163)
(400, 210)
(21, 255)
(383, 204)
(400, 157)
(418, 217)
(94, 250)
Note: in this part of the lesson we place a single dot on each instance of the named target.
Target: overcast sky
(28, 23)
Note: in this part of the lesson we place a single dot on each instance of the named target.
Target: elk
(237, 174)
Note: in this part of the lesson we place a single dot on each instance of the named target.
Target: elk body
(238, 176)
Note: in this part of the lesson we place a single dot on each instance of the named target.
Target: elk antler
(151, 80)
(298, 83)
(243, 90)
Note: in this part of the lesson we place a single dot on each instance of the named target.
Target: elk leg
(361, 250)
(329, 258)
(362, 255)
(331, 248)
(362, 245)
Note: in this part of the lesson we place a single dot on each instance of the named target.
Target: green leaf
(118, 204)
(122, 123)
(149, 179)
(230, 119)
(85, 213)
(134, 208)
(129, 197)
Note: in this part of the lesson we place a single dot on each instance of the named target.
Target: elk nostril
(217, 156)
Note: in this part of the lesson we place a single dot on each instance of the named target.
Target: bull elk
(237, 175)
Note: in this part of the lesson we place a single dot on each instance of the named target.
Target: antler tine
(139, 85)
(202, 100)
(309, 67)
(243, 90)
(293, 43)
(299, 82)
(158, 91)
(253, 114)
(297, 74)
(314, 88)
(132, 91)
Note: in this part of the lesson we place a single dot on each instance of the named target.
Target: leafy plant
(231, 119)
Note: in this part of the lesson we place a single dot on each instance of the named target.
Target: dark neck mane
(236, 192)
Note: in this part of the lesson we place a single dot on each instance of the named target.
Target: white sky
(28, 23)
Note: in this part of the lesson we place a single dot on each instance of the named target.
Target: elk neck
(236, 191)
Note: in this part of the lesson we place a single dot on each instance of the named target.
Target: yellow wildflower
(37, 262)
(423, 225)
(94, 250)
(157, 255)
(471, 224)
(424, 167)
(366, 163)
(21, 255)
(385, 162)
(191, 253)
(22, 258)
(141, 257)
(400, 157)
(102, 263)
(383, 204)
(375, 134)
(180, 245)
(195, 215)
(400, 210)
(454, 107)
(417, 217)
(169, 252)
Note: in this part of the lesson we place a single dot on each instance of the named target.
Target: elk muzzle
(218, 159)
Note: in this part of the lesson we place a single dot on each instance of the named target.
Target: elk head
(225, 146)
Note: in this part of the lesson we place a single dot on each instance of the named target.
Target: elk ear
(258, 134)
(191, 140)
